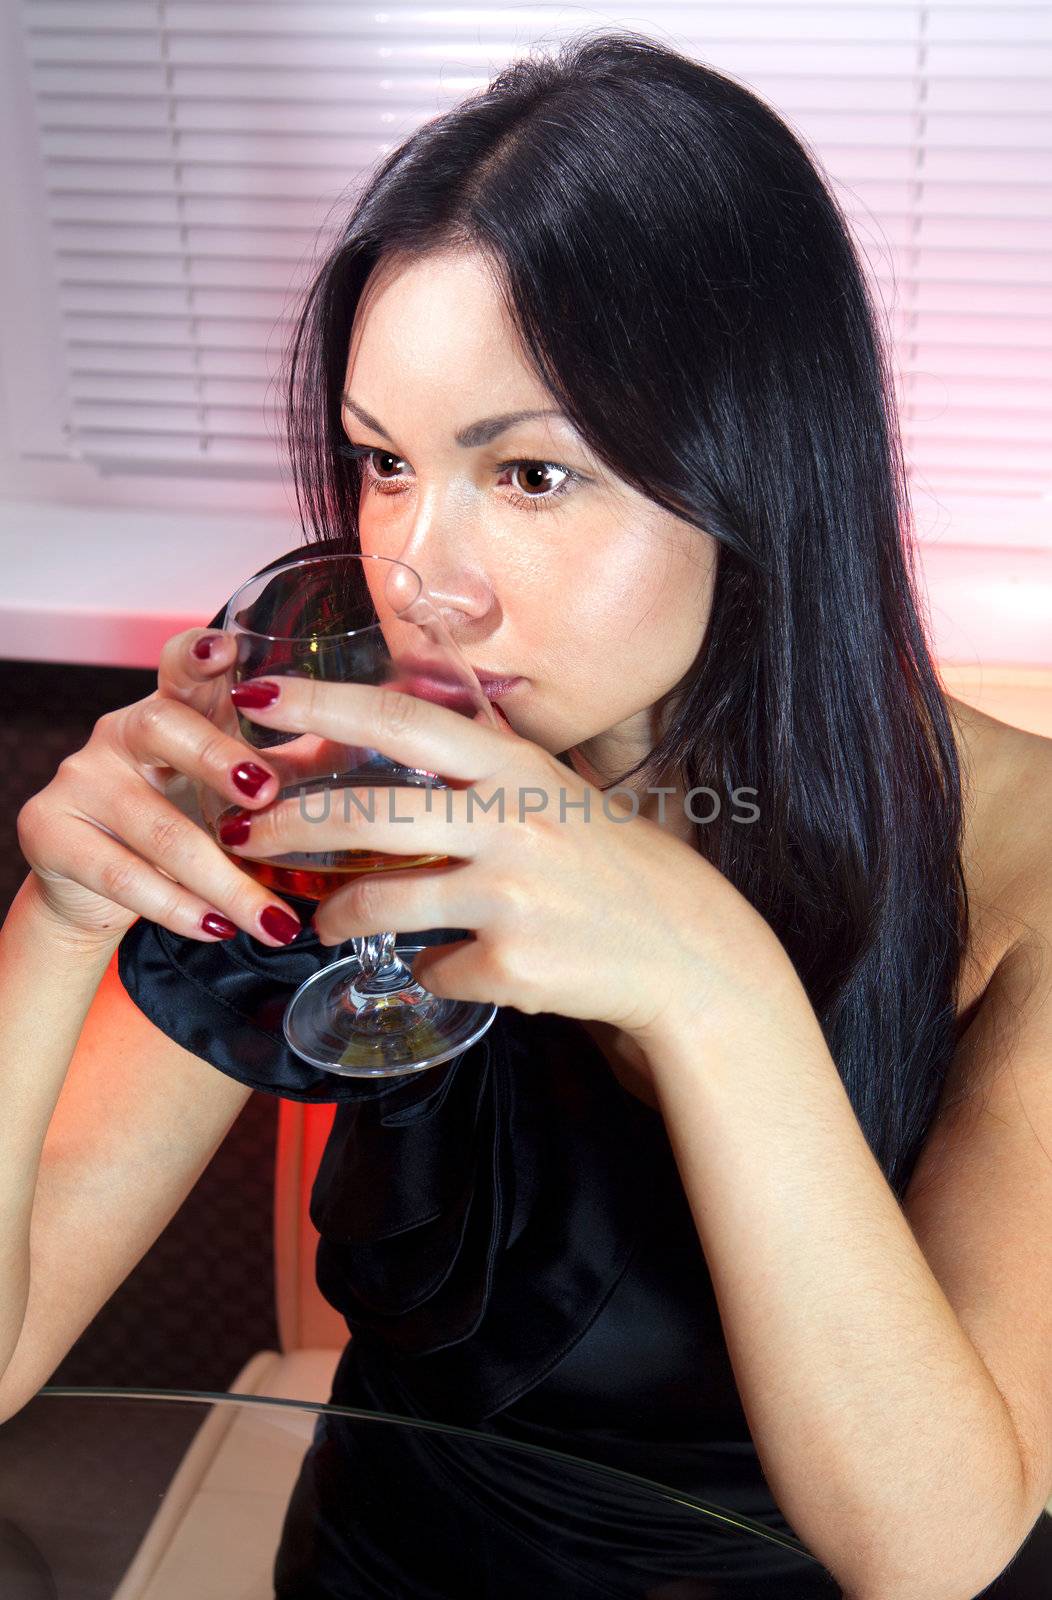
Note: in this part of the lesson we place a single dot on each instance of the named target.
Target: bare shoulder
(1007, 778)
(1000, 748)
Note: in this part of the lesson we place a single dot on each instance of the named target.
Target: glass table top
(161, 1494)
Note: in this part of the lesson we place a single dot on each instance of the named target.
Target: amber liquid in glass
(320, 874)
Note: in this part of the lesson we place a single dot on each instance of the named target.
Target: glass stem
(374, 952)
(384, 981)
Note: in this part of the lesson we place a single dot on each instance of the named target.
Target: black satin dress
(508, 1239)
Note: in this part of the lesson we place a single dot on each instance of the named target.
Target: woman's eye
(384, 463)
(533, 475)
(365, 453)
(532, 485)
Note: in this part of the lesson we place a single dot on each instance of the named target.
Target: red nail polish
(222, 927)
(203, 648)
(279, 924)
(255, 696)
(235, 830)
(249, 778)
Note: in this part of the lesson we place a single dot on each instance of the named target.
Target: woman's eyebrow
(469, 438)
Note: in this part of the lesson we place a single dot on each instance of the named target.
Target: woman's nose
(455, 581)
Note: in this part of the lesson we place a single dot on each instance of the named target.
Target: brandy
(317, 874)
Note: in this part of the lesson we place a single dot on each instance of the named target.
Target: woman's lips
(449, 692)
(444, 691)
(498, 687)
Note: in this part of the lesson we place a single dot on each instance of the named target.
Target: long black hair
(688, 291)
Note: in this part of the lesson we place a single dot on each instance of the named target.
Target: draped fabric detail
(225, 1002)
(464, 1226)
(471, 1242)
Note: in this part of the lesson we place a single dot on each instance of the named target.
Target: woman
(709, 1201)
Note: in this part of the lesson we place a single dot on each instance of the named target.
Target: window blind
(194, 154)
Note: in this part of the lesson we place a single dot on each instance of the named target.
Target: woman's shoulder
(1007, 853)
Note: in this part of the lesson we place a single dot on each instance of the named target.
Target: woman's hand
(106, 846)
(595, 914)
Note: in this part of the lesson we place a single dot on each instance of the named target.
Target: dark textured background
(201, 1301)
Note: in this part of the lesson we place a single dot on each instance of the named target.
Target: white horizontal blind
(192, 151)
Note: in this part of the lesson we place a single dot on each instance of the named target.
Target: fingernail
(255, 695)
(249, 778)
(279, 924)
(222, 927)
(235, 830)
(203, 647)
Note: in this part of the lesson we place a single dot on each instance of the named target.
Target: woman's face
(543, 564)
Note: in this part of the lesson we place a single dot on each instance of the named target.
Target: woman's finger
(161, 732)
(89, 860)
(464, 970)
(401, 820)
(417, 733)
(447, 896)
(159, 832)
(183, 673)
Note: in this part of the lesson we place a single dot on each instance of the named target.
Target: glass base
(322, 1026)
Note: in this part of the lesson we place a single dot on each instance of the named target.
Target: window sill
(101, 586)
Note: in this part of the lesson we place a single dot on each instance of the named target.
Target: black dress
(508, 1239)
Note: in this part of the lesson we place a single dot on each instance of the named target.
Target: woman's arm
(48, 979)
(106, 1123)
(883, 1436)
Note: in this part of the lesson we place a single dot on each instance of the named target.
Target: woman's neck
(665, 809)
